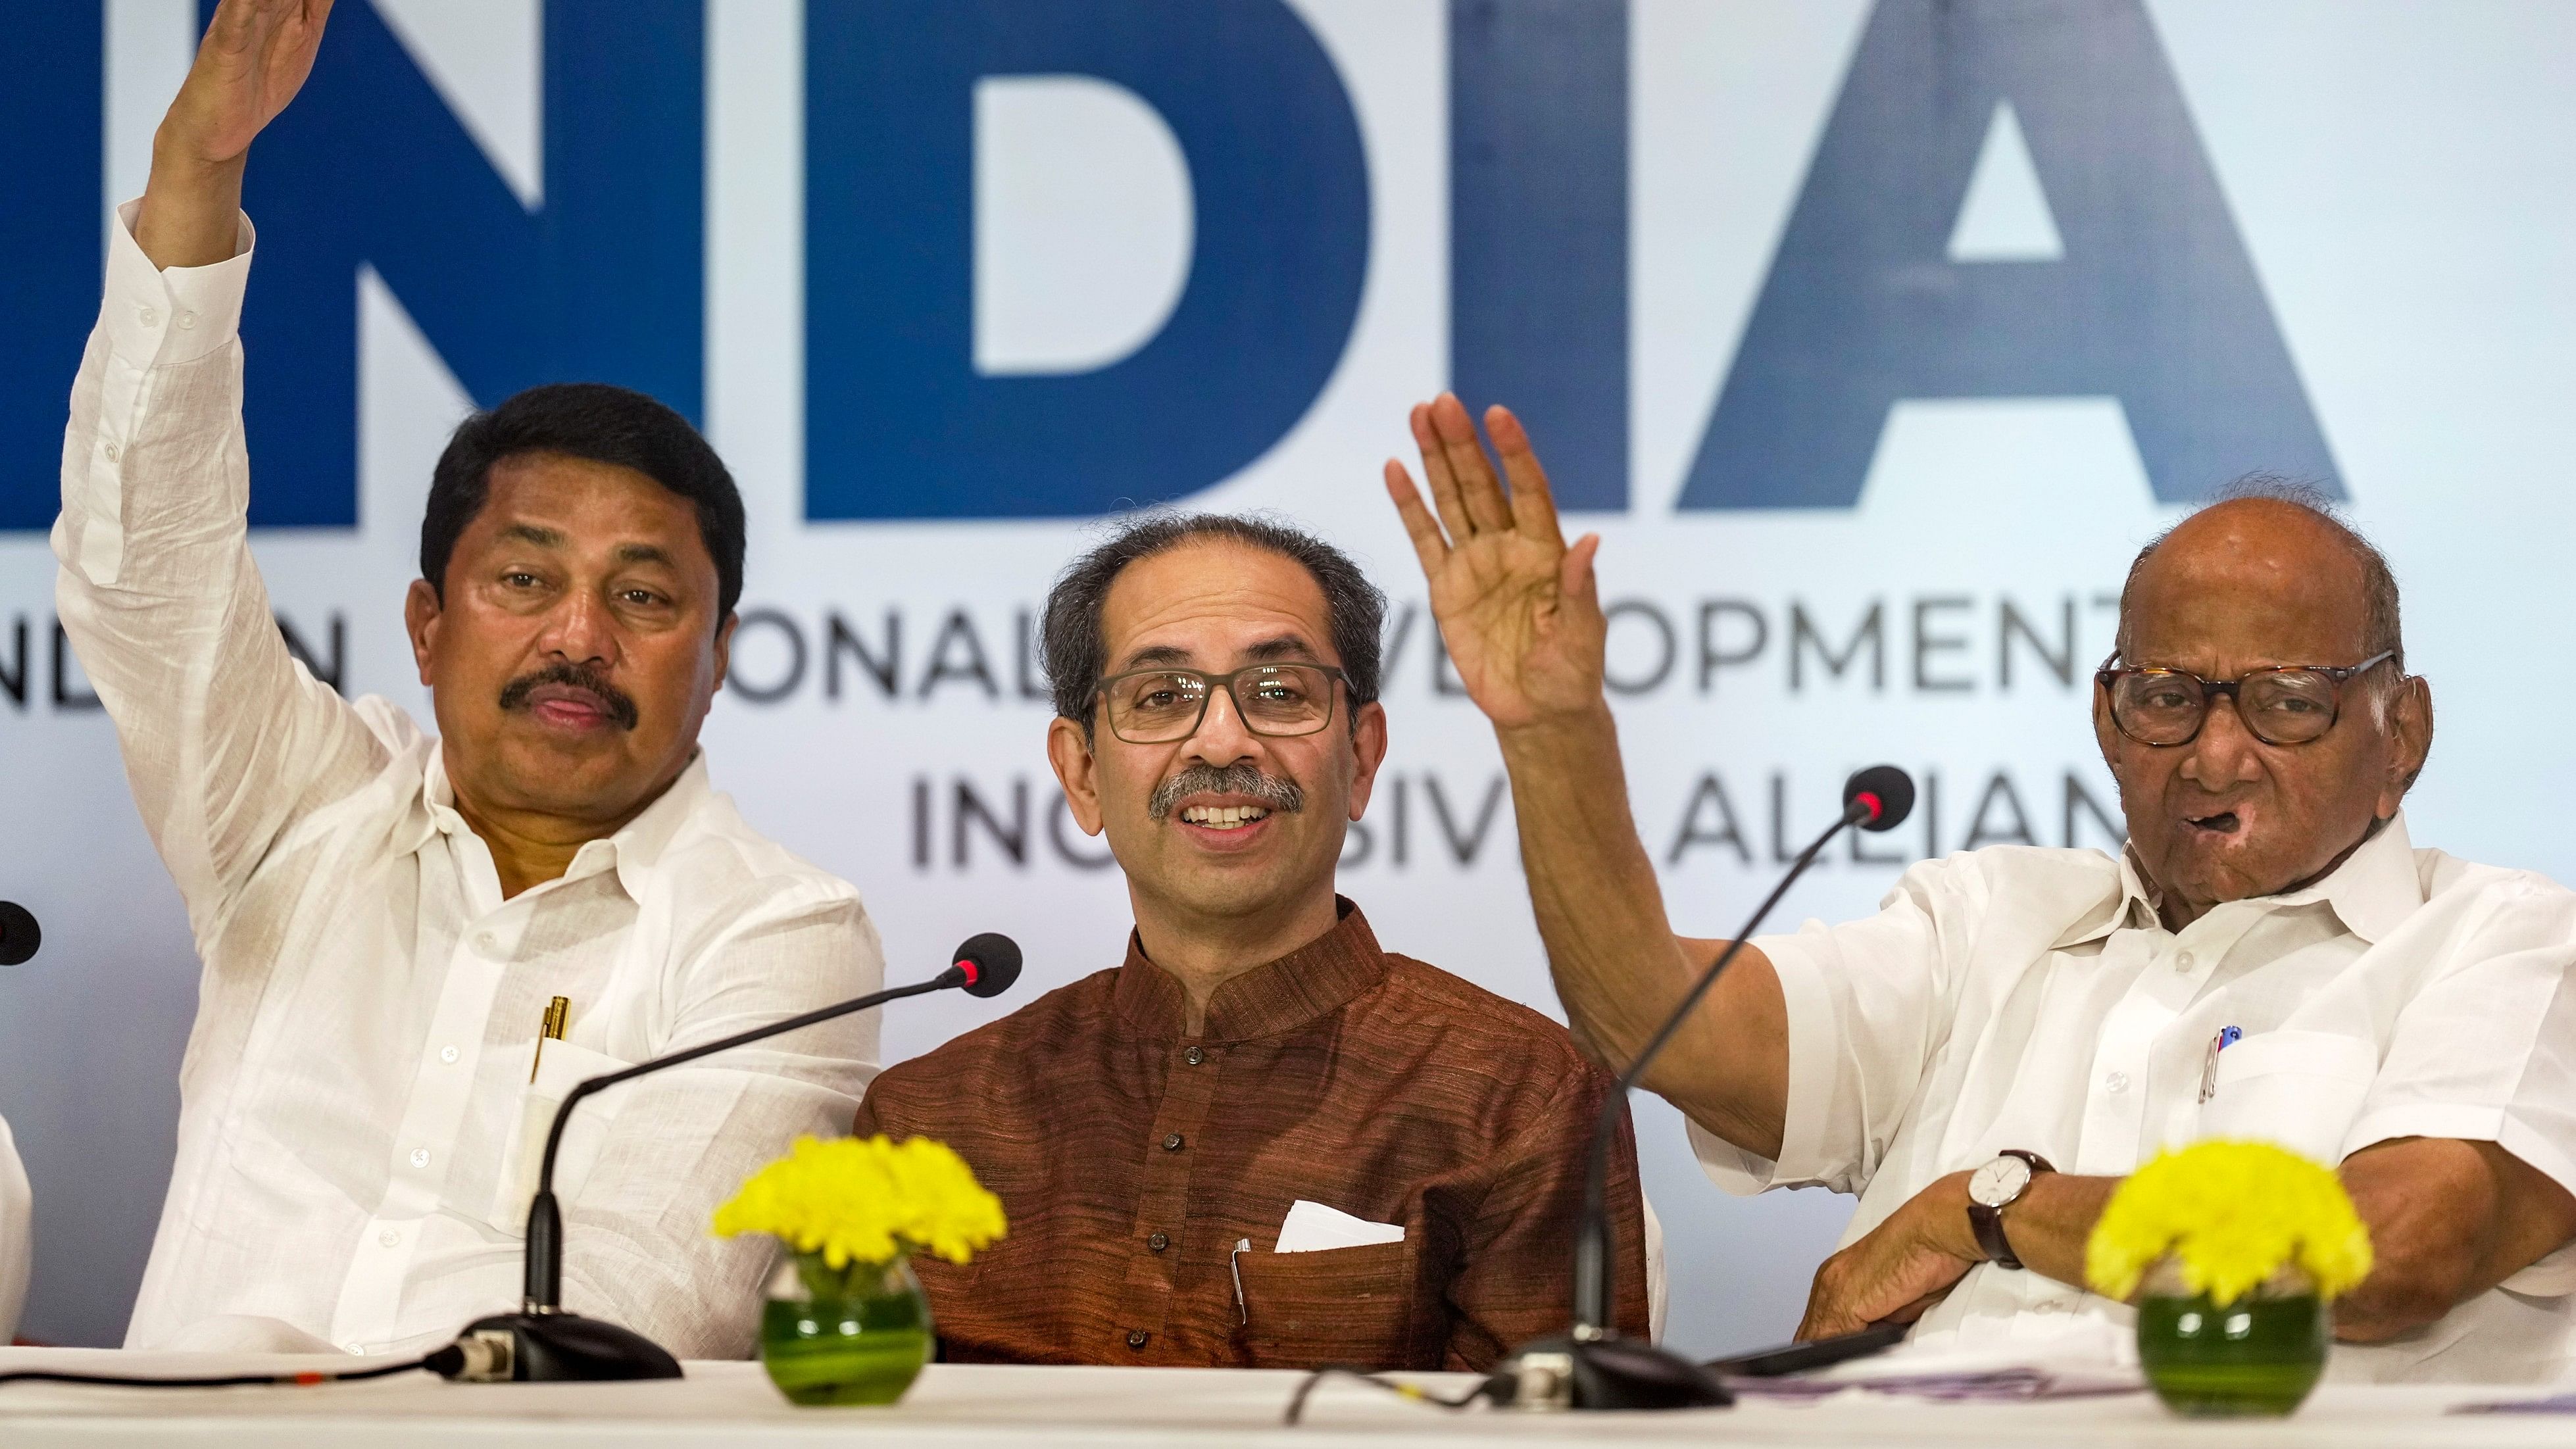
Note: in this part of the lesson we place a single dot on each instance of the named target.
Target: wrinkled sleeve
(2484, 1047)
(226, 737)
(638, 1245)
(1512, 1280)
(1865, 1000)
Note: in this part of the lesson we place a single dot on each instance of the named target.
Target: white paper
(1312, 1227)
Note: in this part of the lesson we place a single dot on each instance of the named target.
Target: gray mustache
(1280, 795)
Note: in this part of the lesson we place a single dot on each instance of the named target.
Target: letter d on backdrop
(898, 422)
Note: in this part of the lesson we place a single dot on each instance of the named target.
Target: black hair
(1076, 653)
(599, 423)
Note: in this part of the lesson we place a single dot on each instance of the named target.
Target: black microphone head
(19, 937)
(1883, 796)
(991, 962)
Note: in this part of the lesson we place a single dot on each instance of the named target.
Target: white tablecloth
(733, 1404)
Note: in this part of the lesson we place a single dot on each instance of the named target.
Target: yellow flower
(865, 1200)
(2229, 1214)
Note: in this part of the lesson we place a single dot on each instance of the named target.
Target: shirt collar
(2373, 890)
(633, 851)
(1312, 981)
(2376, 886)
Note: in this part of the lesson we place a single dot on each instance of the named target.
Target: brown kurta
(1131, 1158)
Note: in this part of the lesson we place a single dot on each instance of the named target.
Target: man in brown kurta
(1149, 1127)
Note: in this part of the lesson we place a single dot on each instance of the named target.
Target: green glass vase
(2259, 1355)
(854, 1335)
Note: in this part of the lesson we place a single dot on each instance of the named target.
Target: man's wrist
(1948, 1228)
(1562, 733)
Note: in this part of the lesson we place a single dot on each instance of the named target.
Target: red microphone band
(1877, 807)
(973, 972)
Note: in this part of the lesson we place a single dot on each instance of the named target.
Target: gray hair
(2380, 625)
(1076, 653)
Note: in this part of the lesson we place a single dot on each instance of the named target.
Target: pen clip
(1234, 1265)
(550, 1028)
(2227, 1037)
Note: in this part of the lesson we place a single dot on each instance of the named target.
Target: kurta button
(1172, 1143)
(149, 317)
(1159, 1241)
(1136, 1338)
(2118, 1082)
(1194, 1056)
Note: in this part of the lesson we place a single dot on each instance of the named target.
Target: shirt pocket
(562, 1068)
(2299, 1089)
(1346, 1306)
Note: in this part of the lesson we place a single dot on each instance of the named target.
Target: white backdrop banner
(1873, 337)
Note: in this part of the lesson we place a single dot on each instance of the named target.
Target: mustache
(514, 695)
(1280, 795)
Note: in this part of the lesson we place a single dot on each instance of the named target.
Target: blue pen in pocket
(2228, 1036)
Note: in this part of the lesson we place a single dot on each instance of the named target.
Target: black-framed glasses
(2289, 704)
(1158, 706)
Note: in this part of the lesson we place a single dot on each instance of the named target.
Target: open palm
(1518, 609)
(255, 57)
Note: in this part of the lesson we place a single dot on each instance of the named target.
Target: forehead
(591, 504)
(2245, 585)
(1211, 599)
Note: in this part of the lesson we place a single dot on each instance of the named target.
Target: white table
(733, 1404)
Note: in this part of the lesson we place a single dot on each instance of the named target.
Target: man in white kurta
(357, 1121)
(1985, 1059)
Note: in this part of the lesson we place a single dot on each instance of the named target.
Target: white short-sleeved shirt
(358, 1127)
(2032, 998)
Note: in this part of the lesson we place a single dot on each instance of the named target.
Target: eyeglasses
(1158, 706)
(2290, 704)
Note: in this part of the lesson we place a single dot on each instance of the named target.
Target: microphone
(541, 1342)
(1592, 1367)
(19, 936)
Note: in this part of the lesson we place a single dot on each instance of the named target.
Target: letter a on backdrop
(2151, 299)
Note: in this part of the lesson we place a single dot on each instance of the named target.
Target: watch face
(1999, 1182)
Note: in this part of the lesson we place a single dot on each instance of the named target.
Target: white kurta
(2032, 998)
(352, 1167)
(16, 1208)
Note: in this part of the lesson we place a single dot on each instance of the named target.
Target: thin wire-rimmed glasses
(1158, 706)
(2289, 704)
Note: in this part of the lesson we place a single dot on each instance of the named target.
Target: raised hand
(1519, 610)
(254, 58)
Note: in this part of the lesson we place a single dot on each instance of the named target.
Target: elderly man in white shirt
(2017, 1028)
(386, 917)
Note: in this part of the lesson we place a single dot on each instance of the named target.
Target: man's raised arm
(1521, 615)
(225, 738)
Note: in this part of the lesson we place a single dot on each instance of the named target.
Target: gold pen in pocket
(558, 1011)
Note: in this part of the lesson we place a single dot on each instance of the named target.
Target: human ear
(1368, 745)
(421, 615)
(724, 650)
(1077, 770)
(2410, 729)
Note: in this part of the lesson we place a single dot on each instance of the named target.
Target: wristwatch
(1996, 1186)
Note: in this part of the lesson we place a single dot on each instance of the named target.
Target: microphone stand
(1592, 1367)
(542, 1342)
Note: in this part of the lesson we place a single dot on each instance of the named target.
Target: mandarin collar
(633, 851)
(1279, 996)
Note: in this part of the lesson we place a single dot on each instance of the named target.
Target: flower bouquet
(852, 1326)
(2232, 1251)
